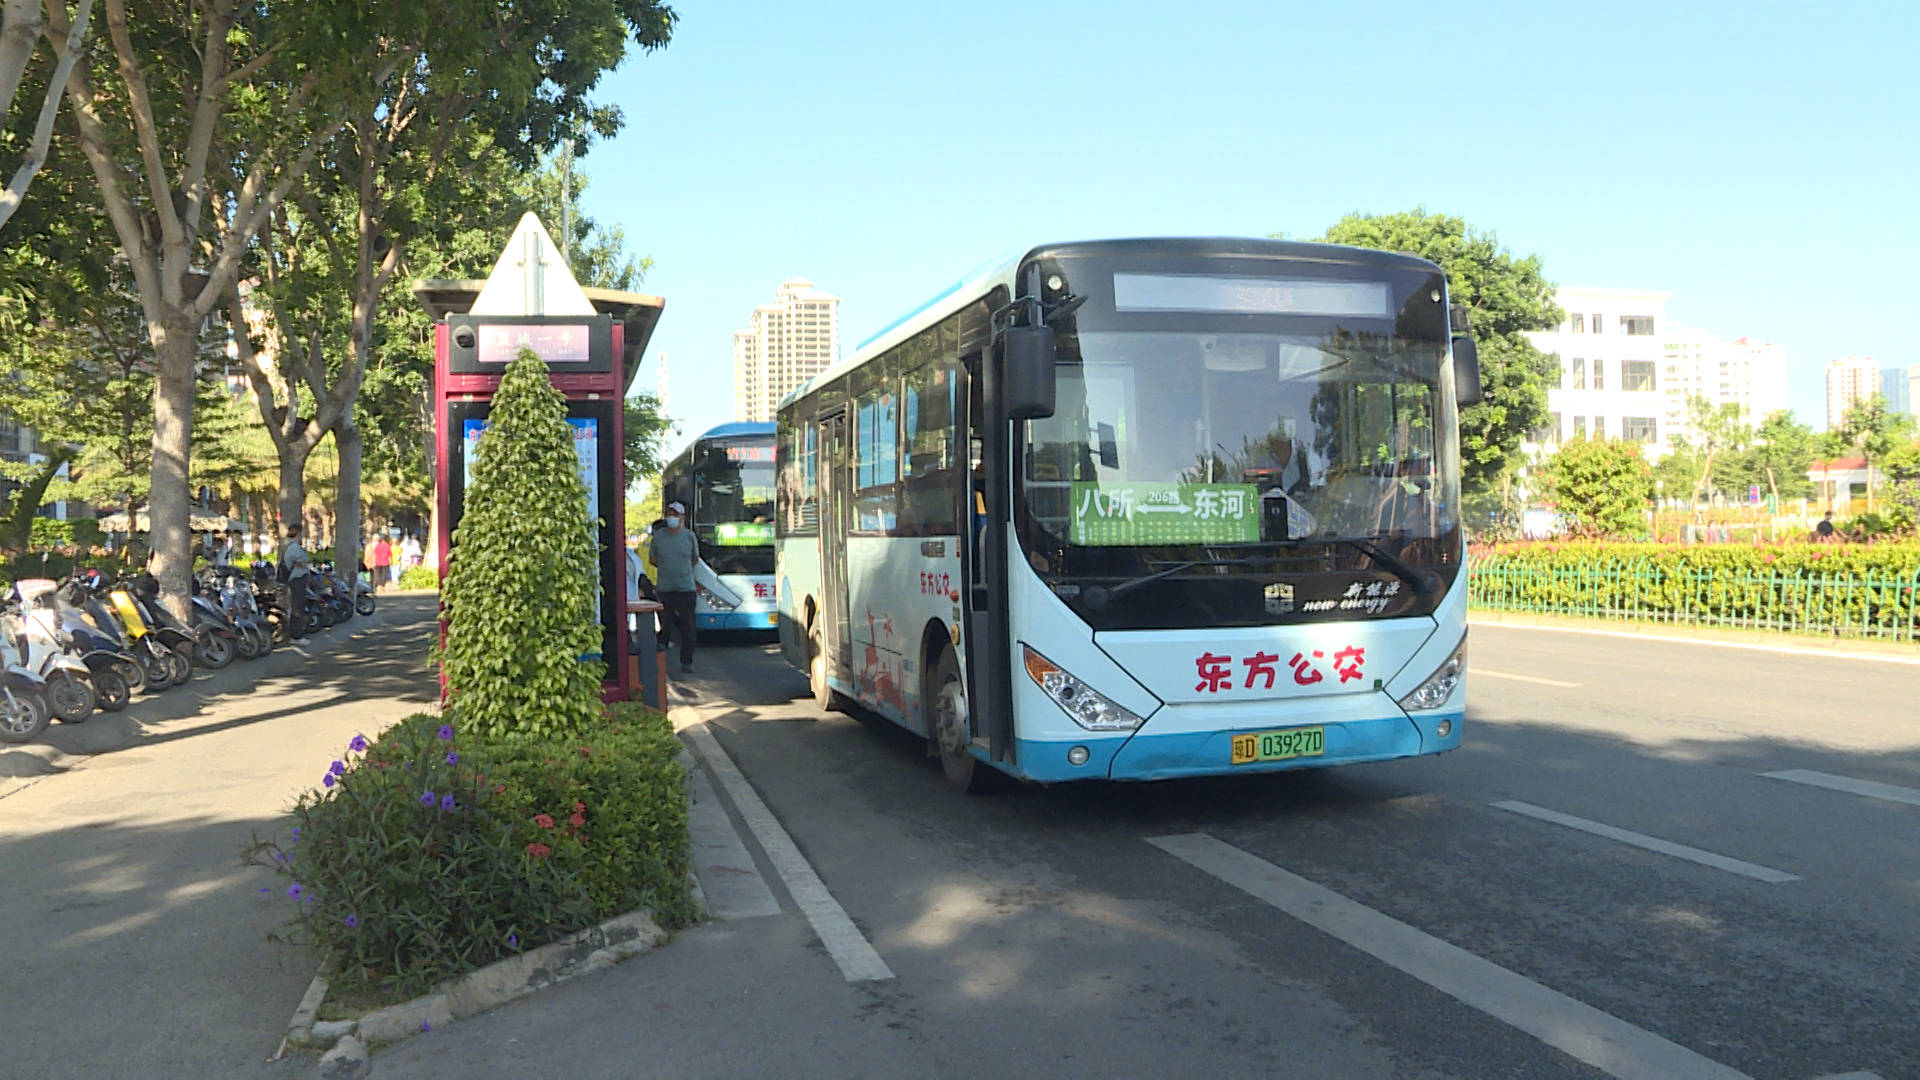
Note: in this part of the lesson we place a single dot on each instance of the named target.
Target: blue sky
(1761, 161)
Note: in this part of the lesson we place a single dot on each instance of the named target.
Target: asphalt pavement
(1651, 859)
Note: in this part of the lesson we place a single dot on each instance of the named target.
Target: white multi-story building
(1745, 372)
(791, 340)
(1611, 349)
(1850, 379)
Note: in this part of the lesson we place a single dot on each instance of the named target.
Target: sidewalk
(135, 939)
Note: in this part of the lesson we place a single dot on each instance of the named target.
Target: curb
(589, 950)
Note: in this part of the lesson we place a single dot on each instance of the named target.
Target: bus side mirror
(1466, 371)
(1028, 387)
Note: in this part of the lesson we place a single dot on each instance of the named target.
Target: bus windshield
(733, 506)
(1202, 479)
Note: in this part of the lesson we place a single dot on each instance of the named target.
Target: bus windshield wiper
(1101, 595)
(1421, 581)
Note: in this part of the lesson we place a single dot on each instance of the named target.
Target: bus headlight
(1089, 707)
(713, 599)
(1439, 686)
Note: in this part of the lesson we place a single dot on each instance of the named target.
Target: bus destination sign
(555, 344)
(1139, 514)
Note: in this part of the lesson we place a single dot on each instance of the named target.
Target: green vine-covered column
(520, 592)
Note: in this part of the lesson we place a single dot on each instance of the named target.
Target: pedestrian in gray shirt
(675, 550)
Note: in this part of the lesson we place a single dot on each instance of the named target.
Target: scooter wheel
(213, 651)
(246, 644)
(364, 605)
(158, 669)
(70, 697)
(180, 666)
(110, 690)
(23, 715)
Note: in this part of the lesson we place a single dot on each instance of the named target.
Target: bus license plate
(1279, 745)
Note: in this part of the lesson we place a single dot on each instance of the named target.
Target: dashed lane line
(849, 948)
(1519, 678)
(1599, 1039)
(1870, 788)
(1652, 843)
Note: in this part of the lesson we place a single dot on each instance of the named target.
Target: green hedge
(1864, 590)
(419, 577)
(426, 853)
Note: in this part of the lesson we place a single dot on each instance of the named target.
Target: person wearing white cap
(674, 551)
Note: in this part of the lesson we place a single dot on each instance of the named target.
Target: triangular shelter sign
(530, 278)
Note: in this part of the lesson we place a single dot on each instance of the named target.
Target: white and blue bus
(1138, 509)
(725, 479)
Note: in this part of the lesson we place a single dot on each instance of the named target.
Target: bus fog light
(1443, 729)
(713, 599)
(1088, 707)
(1439, 686)
(1078, 756)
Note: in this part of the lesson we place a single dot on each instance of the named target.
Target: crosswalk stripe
(1582, 1031)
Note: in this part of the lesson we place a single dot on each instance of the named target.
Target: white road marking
(1653, 843)
(1870, 788)
(849, 948)
(1471, 670)
(1790, 650)
(1582, 1031)
(729, 880)
(1863, 1075)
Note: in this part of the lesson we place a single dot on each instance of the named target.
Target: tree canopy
(1506, 296)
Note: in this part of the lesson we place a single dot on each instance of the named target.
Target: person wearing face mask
(674, 552)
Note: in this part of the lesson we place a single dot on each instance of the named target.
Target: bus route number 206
(935, 584)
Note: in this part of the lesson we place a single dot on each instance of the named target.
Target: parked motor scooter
(157, 658)
(216, 639)
(23, 695)
(235, 598)
(114, 671)
(83, 603)
(182, 642)
(51, 654)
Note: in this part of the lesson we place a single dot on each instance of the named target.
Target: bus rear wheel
(944, 703)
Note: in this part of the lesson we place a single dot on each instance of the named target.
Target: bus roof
(738, 429)
(981, 280)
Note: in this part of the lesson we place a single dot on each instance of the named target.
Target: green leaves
(520, 593)
(1600, 487)
(1507, 296)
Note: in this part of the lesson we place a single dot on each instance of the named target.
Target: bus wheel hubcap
(953, 719)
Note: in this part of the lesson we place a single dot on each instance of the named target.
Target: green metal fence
(1873, 605)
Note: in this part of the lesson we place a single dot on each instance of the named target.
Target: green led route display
(1138, 514)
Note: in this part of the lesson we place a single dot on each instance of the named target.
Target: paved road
(135, 941)
(1605, 881)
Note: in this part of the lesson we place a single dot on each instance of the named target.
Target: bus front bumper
(738, 620)
(1149, 755)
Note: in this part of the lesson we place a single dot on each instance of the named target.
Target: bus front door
(835, 507)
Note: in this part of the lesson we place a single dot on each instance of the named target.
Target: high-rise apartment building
(1896, 385)
(790, 341)
(1610, 382)
(1850, 379)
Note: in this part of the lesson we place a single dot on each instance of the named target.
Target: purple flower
(513, 941)
(351, 921)
(296, 832)
(293, 891)
(327, 780)
(426, 798)
(424, 1026)
(446, 802)
(358, 744)
(265, 891)
(338, 768)
(446, 732)
(453, 758)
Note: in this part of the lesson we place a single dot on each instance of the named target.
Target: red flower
(545, 821)
(579, 807)
(577, 820)
(539, 851)
(500, 788)
(586, 751)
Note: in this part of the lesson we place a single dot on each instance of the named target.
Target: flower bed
(1863, 590)
(428, 853)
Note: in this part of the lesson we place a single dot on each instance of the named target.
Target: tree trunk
(169, 498)
(346, 515)
(293, 483)
(19, 526)
(20, 25)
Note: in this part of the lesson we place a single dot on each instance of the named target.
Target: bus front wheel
(950, 728)
(824, 695)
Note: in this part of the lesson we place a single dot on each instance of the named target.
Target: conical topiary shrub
(519, 596)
